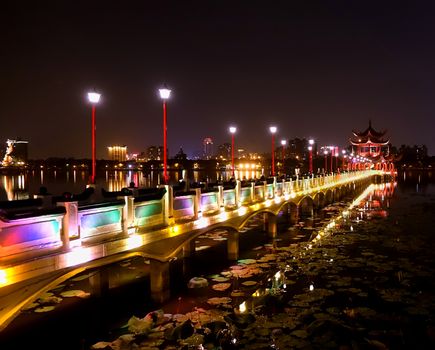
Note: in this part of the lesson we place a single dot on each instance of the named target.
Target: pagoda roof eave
(358, 143)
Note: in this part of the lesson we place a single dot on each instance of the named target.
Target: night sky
(314, 69)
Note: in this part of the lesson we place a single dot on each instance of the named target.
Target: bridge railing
(23, 229)
(72, 223)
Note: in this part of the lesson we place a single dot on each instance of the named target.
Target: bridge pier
(265, 221)
(233, 245)
(189, 248)
(271, 226)
(294, 214)
(99, 282)
(159, 279)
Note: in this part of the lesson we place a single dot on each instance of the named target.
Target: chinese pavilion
(372, 145)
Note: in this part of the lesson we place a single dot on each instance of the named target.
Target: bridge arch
(291, 211)
(329, 196)
(306, 206)
(319, 200)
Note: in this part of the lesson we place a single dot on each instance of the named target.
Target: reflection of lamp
(273, 131)
(93, 98)
(164, 95)
(233, 130)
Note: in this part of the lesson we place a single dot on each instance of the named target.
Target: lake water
(365, 283)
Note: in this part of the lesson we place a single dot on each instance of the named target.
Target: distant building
(180, 155)
(117, 153)
(224, 151)
(16, 153)
(154, 153)
(208, 148)
(297, 148)
(133, 156)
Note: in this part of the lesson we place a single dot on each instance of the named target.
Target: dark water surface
(366, 283)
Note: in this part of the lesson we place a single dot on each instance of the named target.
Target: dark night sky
(315, 69)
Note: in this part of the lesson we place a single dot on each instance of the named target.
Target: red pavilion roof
(369, 136)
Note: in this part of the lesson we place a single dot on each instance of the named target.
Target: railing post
(238, 189)
(70, 222)
(127, 212)
(197, 203)
(168, 204)
(220, 196)
(274, 187)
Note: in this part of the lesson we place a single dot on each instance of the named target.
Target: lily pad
(220, 279)
(221, 286)
(44, 309)
(75, 293)
(249, 283)
(219, 301)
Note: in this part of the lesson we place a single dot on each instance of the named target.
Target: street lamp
(283, 143)
(93, 98)
(343, 151)
(332, 156)
(233, 130)
(310, 148)
(273, 131)
(325, 152)
(165, 93)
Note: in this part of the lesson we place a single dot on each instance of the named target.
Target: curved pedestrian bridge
(43, 247)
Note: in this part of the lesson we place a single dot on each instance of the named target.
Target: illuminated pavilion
(372, 145)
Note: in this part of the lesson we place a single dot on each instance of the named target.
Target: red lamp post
(93, 98)
(164, 95)
(310, 155)
(325, 152)
(283, 143)
(233, 130)
(273, 131)
(332, 157)
(343, 164)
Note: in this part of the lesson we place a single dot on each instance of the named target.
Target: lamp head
(164, 92)
(94, 97)
(283, 142)
(311, 141)
(233, 129)
(273, 129)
